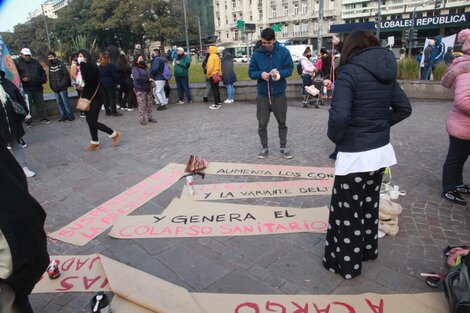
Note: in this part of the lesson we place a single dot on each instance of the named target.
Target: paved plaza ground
(70, 182)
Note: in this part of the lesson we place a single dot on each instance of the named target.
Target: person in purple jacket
(142, 79)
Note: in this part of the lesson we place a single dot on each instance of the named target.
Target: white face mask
(80, 60)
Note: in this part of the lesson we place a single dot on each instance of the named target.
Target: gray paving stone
(70, 182)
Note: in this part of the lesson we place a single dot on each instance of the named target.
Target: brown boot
(116, 139)
(92, 147)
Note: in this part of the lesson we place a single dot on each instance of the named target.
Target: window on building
(250, 1)
(218, 21)
(227, 35)
(226, 21)
(251, 18)
(304, 28)
(233, 4)
(234, 17)
(296, 9)
(236, 35)
(304, 8)
(285, 31)
(286, 11)
(273, 13)
(240, 3)
(296, 30)
(260, 15)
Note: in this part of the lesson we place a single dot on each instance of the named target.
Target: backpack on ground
(166, 71)
(299, 68)
(457, 287)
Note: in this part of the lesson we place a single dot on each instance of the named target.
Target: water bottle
(189, 183)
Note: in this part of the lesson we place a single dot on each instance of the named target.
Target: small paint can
(100, 303)
(53, 270)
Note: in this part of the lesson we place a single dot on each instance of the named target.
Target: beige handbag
(83, 104)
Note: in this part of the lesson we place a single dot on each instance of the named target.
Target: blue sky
(13, 12)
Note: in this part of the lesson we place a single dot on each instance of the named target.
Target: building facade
(59, 4)
(298, 20)
(48, 10)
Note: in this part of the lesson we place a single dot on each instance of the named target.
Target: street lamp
(379, 19)
(186, 26)
(47, 30)
(320, 25)
(413, 18)
(199, 27)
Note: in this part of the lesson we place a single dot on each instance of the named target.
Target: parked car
(240, 59)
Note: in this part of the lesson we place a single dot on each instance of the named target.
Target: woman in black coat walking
(13, 132)
(92, 91)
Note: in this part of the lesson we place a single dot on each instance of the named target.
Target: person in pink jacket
(308, 69)
(457, 77)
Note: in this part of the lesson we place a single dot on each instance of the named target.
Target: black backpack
(299, 68)
(457, 287)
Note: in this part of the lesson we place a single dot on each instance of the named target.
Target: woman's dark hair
(356, 41)
(122, 63)
(73, 57)
(307, 50)
(86, 54)
(136, 57)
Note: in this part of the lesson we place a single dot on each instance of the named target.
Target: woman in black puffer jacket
(367, 101)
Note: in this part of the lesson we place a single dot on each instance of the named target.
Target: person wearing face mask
(270, 65)
(142, 79)
(308, 70)
(59, 80)
(91, 90)
(33, 76)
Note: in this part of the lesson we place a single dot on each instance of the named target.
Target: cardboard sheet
(185, 218)
(286, 188)
(139, 292)
(85, 228)
(267, 170)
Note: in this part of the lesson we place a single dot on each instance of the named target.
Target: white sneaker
(102, 107)
(130, 109)
(227, 101)
(215, 107)
(28, 172)
(118, 106)
(180, 102)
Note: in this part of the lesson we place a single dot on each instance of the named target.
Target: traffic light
(415, 33)
(437, 4)
(407, 34)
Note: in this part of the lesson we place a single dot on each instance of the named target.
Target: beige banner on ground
(267, 170)
(84, 229)
(139, 292)
(287, 188)
(78, 273)
(186, 219)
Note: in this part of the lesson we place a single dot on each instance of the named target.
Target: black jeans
(92, 120)
(263, 111)
(22, 305)
(452, 176)
(215, 91)
(125, 98)
(37, 98)
(109, 94)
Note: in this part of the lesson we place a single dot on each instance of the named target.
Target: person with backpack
(307, 70)
(156, 71)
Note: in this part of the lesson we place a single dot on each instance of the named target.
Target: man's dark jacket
(59, 77)
(22, 223)
(34, 70)
(367, 101)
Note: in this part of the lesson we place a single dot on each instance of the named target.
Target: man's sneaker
(130, 109)
(45, 121)
(215, 106)
(286, 154)
(71, 119)
(62, 119)
(28, 172)
(463, 189)
(227, 101)
(29, 123)
(263, 154)
(180, 102)
(82, 114)
(160, 108)
(455, 197)
(23, 144)
(116, 114)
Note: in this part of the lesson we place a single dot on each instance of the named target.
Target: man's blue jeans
(63, 105)
(230, 91)
(182, 85)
